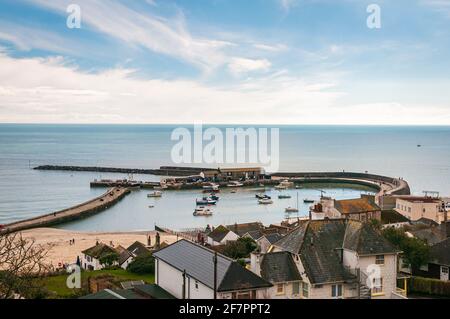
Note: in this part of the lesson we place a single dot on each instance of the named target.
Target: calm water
(25, 193)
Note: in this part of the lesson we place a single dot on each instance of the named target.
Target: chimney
(255, 262)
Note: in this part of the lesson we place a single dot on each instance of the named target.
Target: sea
(419, 154)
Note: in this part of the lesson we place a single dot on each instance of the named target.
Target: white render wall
(171, 280)
(94, 263)
(388, 273)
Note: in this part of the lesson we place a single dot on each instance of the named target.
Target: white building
(186, 270)
(91, 258)
(221, 236)
(333, 259)
(415, 208)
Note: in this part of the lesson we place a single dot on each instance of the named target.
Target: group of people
(72, 242)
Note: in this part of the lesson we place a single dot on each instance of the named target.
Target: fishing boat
(206, 201)
(156, 194)
(203, 211)
(214, 197)
(211, 188)
(265, 201)
(235, 184)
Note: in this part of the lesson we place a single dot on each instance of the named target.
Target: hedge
(429, 286)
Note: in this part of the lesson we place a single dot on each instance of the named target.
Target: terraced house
(326, 259)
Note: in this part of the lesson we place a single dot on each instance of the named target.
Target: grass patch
(57, 286)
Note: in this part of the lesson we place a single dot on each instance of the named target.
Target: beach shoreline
(61, 251)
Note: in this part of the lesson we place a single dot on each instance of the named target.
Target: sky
(225, 62)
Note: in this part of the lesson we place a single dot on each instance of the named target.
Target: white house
(279, 269)
(90, 259)
(414, 208)
(220, 236)
(333, 258)
(187, 271)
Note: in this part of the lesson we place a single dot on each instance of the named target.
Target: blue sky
(223, 61)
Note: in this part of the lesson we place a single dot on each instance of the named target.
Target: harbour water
(26, 193)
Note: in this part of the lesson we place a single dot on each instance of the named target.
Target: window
(305, 290)
(280, 289)
(296, 288)
(336, 291)
(377, 286)
(379, 259)
(196, 285)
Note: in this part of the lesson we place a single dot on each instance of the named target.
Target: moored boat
(206, 201)
(265, 201)
(284, 196)
(235, 184)
(308, 201)
(156, 194)
(202, 211)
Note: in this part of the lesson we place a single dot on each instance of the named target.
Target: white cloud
(242, 65)
(288, 4)
(43, 90)
(270, 48)
(36, 90)
(155, 33)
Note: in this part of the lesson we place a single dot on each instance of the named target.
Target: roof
(355, 206)
(114, 294)
(279, 267)
(366, 240)
(420, 199)
(124, 256)
(155, 291)
(138, 249)
(392, 217)
(198, 263)
(432, 235)
(440, 253)
(242, 229)
(137, 292)
(255, 234)
(99, 251)
(273, 238)
(319, 244)
(219, 233)
(426, 221)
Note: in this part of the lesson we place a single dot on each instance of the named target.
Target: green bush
(144, 264)
(239, 249)
(429, 286)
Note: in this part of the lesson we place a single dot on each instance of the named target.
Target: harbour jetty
(163, 171)
(84, 210)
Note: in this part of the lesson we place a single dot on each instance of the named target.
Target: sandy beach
(62, 252)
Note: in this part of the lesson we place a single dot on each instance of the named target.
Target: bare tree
(21, 267)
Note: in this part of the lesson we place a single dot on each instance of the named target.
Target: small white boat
(280, 187)
(235, 184)
(265, 201)
(156, 194)
(202, 211)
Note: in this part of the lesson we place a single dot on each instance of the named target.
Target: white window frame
(378, 259)
(335, 291)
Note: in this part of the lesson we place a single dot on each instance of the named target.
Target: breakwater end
(84, 210)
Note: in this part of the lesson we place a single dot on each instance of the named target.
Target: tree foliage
(141, 265)
(240, 248)
(109, 259)
(416, 252)
(22, 265)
